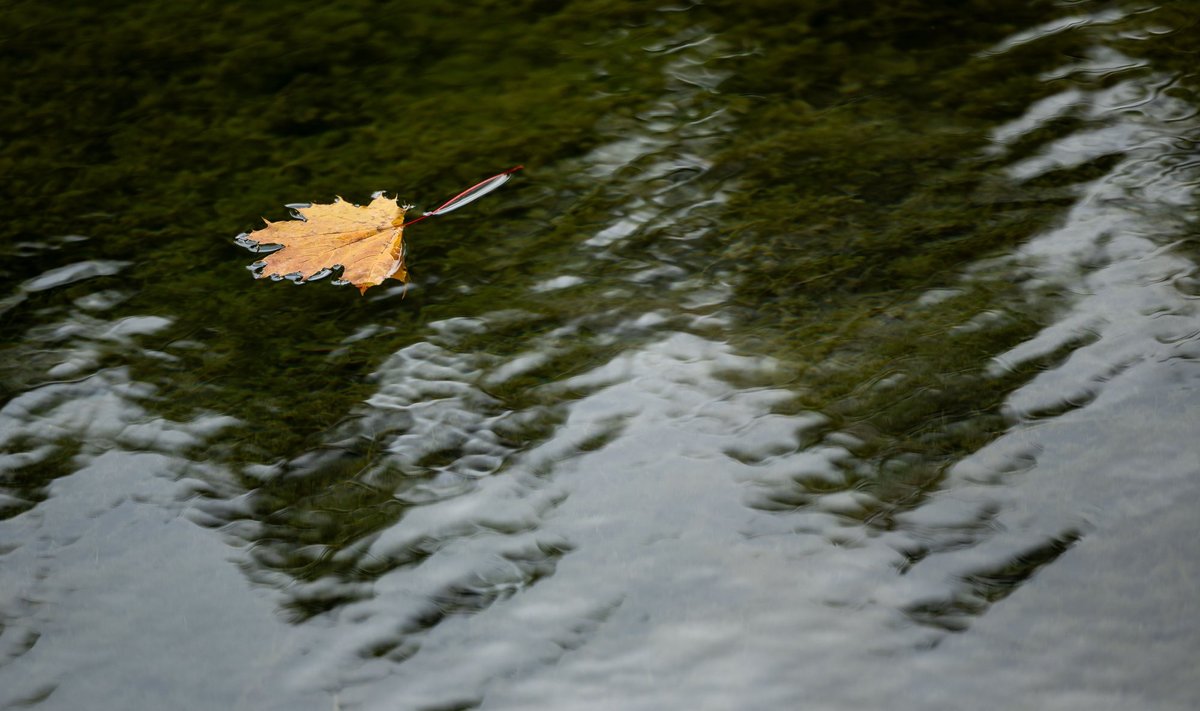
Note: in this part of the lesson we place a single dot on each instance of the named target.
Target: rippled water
(824, 357)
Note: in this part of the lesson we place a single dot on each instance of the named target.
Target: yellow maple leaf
(367, 242)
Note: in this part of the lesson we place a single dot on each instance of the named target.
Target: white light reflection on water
(74, 580)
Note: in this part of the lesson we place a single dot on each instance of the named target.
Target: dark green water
(830, 355)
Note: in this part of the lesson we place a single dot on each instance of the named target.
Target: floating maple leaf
(367, 242)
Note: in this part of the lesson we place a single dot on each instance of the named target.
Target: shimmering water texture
(828, 355)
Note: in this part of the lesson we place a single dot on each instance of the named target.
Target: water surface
(825, 355)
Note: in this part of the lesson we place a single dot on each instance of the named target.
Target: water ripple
(635, 504)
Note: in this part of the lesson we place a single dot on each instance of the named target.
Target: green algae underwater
(792, 179)
(851, 139)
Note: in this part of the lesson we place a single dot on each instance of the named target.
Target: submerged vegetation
(847, 175)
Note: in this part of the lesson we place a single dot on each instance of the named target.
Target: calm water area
(827, 354)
